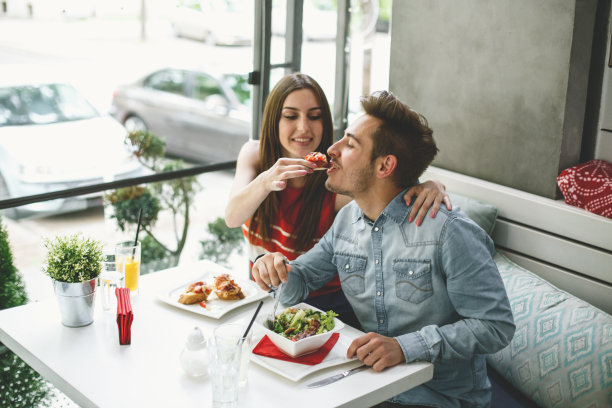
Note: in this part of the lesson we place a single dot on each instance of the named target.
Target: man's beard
(360, 181)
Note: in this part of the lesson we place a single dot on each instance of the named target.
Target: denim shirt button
(378, 293)
(346, 266)
(382, 321)
(377, 261)
(376, 229)
(411, 273)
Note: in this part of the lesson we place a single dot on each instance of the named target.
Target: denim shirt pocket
(412, 280)
(351, 269)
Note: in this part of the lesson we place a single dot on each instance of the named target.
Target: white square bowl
(301, 347)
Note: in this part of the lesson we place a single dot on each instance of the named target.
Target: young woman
(278, 197)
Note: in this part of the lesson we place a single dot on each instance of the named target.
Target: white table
(90, 366)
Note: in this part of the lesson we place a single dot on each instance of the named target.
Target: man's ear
(385, 166)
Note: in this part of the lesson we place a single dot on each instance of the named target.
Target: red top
(283, 240)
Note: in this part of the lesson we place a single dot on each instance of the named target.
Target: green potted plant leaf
(73, 263)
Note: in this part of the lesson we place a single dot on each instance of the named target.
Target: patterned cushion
(561, 353)
(589, 186)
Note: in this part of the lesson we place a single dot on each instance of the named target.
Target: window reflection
(42, 104)
(168, 81)
(205, 86)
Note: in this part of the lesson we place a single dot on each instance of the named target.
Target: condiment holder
(194, 356)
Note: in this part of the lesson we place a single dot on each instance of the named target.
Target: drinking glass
(111, 277)
(233, 333)
(128, 255)
(224, 372)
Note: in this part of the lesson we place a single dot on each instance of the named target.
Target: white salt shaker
(194, 357)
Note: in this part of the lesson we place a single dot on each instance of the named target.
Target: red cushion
(589, 186)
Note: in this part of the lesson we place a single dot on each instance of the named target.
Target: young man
(423, 294)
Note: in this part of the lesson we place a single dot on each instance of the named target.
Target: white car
(52, 138)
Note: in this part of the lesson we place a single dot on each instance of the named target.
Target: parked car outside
(217, 22)
(202, 116)
(52, 138)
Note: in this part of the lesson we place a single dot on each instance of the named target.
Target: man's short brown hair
(403, 133)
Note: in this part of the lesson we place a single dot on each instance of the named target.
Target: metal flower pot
(76, 302)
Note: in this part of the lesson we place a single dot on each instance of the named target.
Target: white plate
(296, 371)
(215, 307)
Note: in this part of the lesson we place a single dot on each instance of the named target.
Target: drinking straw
(251, 322)
(137, 231)
(138, 226)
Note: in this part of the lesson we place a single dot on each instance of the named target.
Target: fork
(276, 301)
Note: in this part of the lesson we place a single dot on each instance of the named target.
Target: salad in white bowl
(300, 329)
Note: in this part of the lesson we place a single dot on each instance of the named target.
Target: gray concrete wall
(502, 83)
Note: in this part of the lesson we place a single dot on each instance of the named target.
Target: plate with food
(213, 294)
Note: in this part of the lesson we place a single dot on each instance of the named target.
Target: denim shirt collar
(396, 210)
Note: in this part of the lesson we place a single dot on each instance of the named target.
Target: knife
(336, 377)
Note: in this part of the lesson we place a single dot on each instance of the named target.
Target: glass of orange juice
(127, 255)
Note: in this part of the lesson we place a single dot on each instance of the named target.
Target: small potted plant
(73, 263)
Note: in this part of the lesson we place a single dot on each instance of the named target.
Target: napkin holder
(124, 315)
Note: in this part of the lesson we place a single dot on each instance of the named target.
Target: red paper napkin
(266, 348)
(124, 315)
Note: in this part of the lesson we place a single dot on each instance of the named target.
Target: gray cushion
(481, 213)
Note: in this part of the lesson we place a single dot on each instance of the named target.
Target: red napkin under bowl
(266, 348)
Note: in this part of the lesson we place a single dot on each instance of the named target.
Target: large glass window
(78, 77)
(101, 67)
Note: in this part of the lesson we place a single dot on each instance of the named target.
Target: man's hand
(270, 270)
(376, 350)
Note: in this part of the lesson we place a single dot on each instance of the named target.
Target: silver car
(202, 117)
(52, 138)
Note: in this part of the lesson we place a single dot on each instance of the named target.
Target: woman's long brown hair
(270, 151)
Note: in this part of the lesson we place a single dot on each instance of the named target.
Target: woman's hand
(275, 178)
(430, 194)
(249, 189)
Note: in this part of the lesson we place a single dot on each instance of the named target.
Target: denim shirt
(434, 288)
